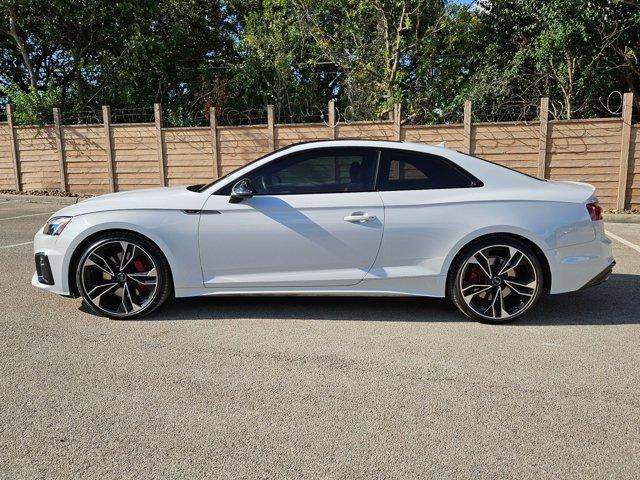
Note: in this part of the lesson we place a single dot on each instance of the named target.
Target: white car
(346, 217)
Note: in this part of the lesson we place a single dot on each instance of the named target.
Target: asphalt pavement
(316, 387)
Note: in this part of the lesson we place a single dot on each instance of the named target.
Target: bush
(34, 107)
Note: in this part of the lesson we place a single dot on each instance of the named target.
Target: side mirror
(241, 190)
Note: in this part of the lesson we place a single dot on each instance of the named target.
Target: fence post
(157, 113)
(397, 121)
(332, 119)
(271, 129)
(466, 148)
(15, 153)
(213, 125)
(108, 145)
(623, 178)
(544, 132)
(60, 148)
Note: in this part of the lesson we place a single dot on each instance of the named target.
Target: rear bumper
(578, 266)
(601, 277)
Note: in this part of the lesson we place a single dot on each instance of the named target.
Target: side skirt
(406, 287)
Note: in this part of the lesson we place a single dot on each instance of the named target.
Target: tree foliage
(240, 55)
(34, 106)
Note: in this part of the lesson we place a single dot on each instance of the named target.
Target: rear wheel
(123, 275)
(496, 280)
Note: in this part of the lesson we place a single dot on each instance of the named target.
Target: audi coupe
(346, 217)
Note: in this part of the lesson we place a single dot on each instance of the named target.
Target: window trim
(377, 154)
(384, 157)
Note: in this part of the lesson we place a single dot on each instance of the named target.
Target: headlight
(55, 225)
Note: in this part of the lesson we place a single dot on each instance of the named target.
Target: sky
(466, 2)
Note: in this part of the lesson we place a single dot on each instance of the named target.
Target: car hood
(168, 198)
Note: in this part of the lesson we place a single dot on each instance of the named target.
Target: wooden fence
(93, 159)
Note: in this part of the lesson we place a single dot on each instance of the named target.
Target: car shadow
(612, 303)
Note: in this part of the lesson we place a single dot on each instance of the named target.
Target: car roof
(487, 172)
(344, 142)
(477, 166)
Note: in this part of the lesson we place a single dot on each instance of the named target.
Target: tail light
(595, 211)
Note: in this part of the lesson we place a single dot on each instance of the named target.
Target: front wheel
(123, 275)
(496, 280)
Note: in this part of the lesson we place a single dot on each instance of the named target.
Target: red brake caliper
(473, 275)
(139, 267)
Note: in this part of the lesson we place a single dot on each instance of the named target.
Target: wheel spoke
(527, 289)
(515, 257)
(497, 307)
(128, 299)
(492, 305)
(96, 293)
(483, 262)
(471, 291)
(503, 310)
(105, 267)
(126, 259)
(145, 278)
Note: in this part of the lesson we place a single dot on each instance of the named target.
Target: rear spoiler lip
(590, 190)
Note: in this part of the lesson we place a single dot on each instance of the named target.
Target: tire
(123, 276)
(483, 287)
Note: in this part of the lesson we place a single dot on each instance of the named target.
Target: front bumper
(43, 269)
(51, 275)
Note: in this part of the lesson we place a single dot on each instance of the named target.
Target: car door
(424, 199)
(315, 220)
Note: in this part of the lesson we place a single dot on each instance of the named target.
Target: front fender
(173, 231)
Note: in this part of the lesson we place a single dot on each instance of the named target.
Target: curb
(41, 199)
(621, 218)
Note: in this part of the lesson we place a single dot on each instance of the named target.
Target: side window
(330, 170)
(405, 170)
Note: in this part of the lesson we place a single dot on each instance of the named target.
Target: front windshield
(217, 180)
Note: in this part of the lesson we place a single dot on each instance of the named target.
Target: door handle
(359, 217)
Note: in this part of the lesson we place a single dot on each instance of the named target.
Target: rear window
(406, 170)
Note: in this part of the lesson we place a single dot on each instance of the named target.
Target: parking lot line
(2, 247)
(623, 241)
(25, 216)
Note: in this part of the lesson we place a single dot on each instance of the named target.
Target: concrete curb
(621, 217)
(41, 199)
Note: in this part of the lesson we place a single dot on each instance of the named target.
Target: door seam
(384, 227)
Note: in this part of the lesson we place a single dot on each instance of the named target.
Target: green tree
(33, 107)
(569, 51)
(375, 45)
(127, 53)
(367, 54)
